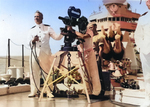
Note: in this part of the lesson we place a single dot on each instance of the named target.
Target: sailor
(38, 40)
(90, 61)
(142, 40)
(97, 45)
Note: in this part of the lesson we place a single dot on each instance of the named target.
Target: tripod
(79, 65)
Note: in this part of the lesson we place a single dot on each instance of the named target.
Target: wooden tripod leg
(86, 73)
(47, 79)
(84, 83)
(85, 88)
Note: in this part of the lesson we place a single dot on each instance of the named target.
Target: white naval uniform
(142, 40)
(43, 51)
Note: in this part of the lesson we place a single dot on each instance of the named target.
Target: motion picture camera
(73, 19)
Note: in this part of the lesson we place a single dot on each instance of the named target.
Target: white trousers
(35, 71)
(145, 59)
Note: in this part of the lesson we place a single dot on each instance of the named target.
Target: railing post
(22, 55)
(8, 52)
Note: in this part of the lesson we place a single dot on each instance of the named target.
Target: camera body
(72, 19)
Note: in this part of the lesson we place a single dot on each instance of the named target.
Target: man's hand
(69, 28)
(36, 38)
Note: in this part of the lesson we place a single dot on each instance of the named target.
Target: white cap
(105, 2)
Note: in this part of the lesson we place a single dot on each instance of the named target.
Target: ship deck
(22, 100)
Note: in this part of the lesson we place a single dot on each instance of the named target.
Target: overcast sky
(17, 17)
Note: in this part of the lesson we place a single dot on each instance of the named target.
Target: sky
(17, 17)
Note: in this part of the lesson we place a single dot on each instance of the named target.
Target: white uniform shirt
(44, 32)
(142, 34)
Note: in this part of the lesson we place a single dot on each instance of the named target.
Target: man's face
(38, 18)
(148, 4)
(93, 28)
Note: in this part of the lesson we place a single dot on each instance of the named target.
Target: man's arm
(139, 35)
(80, 35)
(54, 35)
(89, 33)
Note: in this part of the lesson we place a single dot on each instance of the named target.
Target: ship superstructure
(117, 13)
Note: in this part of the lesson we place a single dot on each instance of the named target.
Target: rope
(15, 43)
(19, 45)
(33, 52)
